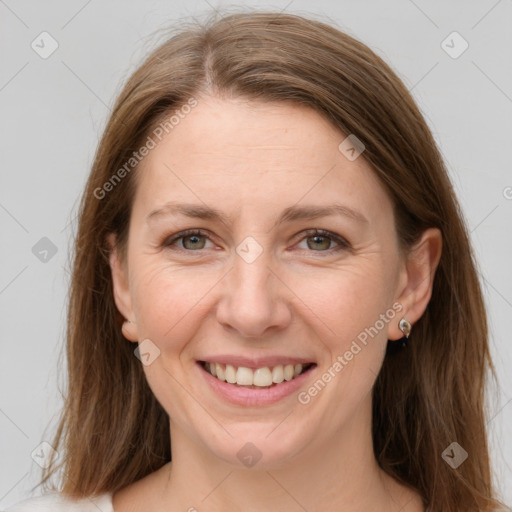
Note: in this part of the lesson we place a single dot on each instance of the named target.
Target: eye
(320, 240)
(191, 240)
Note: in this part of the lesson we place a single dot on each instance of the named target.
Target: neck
(340, 475)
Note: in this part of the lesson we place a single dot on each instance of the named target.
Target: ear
(121, 288)
(417, 279)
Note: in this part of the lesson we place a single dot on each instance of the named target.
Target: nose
(254, 299)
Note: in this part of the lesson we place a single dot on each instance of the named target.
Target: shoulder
(56, 502)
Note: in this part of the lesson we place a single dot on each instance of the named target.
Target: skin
(252, 160)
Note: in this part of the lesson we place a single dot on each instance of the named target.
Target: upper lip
(255, 362)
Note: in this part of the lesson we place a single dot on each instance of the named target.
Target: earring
(395, 346)
(405, 326)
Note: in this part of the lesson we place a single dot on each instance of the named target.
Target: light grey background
(53, 111)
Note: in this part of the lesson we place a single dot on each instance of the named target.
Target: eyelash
(343, 244)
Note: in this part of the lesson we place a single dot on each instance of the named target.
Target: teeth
(230, 374)
(221, 375)
(277, 374)
(289, 370)
(244, 376)
(261, 377)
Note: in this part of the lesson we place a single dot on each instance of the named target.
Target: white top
(54, 502)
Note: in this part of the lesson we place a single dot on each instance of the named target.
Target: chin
(264, 446)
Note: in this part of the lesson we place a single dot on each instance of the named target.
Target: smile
(264, 377)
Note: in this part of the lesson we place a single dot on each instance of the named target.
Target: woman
(273, 283)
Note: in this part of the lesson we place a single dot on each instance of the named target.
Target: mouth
(265, 377)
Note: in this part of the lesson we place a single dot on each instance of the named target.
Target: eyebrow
(290, 214)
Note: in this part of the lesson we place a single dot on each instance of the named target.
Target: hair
(112, 430)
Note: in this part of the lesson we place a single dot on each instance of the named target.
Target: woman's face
(255, 287)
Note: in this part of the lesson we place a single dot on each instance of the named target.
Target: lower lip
(248, 397)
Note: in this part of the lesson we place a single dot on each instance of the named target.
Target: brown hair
(113, 431)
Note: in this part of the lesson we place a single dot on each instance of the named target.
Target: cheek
(169, 312)
(355, 315)
(169, 301)
(345, 300)
(353, 308)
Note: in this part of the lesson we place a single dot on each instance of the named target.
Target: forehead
(238, 130)
(246, 154)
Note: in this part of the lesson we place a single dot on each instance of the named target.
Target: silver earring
(405, 326)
